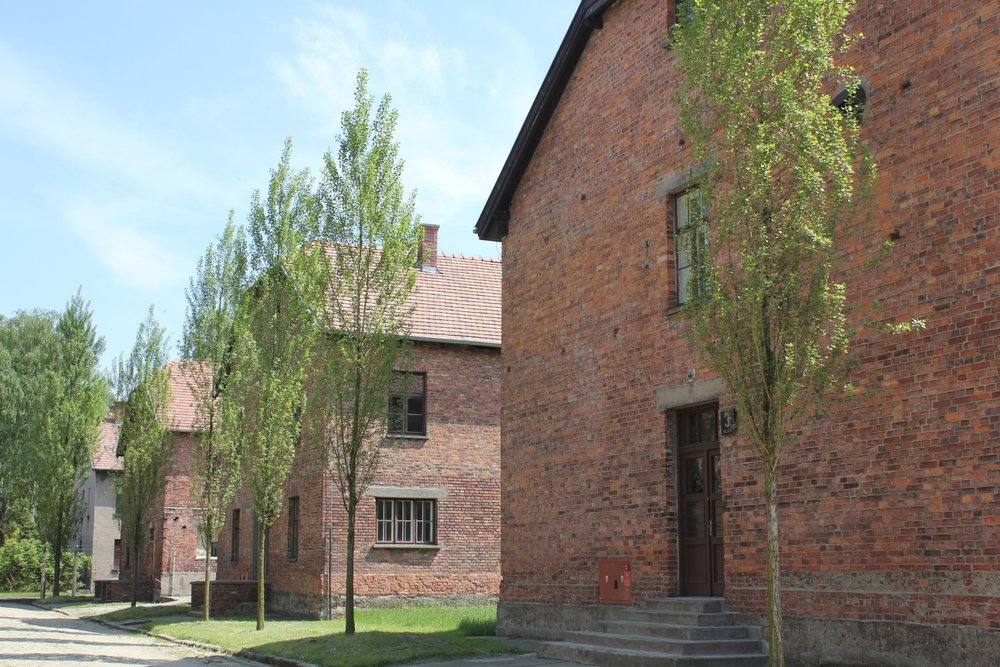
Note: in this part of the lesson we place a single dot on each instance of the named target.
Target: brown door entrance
(700, 501)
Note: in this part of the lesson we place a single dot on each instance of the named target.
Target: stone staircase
(674, 632)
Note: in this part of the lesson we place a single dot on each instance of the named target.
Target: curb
(244, 654)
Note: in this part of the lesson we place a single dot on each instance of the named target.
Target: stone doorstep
(674, 632)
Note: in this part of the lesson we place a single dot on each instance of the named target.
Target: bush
(20, 562)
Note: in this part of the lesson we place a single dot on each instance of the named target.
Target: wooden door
(700, 502)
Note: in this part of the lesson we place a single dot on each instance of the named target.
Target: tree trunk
(45, 554)
(57, 552)
(349, 583)
(136, 564)
(261, 574)
(205, 615)
(775, 641)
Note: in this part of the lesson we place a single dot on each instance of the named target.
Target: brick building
(174, 555)
(429, 526)
(98, 534)
(890, 504)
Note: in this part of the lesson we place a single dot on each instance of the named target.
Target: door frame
(696, 440)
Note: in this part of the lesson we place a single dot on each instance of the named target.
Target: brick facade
(173, 557)
(456, 332)
(459, 457)
(890, 503)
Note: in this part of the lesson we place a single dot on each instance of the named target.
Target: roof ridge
(452, 255)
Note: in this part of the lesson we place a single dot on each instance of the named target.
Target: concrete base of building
(811, 642)
(179, 583)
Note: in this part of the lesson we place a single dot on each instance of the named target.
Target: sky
(129, 130)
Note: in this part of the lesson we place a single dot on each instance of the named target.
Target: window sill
(420, 547)
(215, 559)
(405, 436)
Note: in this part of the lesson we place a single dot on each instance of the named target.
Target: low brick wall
(228, 597)
(117, 590)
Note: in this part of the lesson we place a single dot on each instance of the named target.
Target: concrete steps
(675, 632)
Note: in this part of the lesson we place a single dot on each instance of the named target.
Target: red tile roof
(104, 458)
(185, 378)
(460, 303)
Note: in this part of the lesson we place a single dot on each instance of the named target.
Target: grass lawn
(384, 636)
(18, 595)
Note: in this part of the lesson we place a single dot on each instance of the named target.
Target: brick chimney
(428, 259)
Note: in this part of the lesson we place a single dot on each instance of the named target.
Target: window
(408, 404)
(688, 212)
(683, 11)
(293, 528)
(234, 547)
(852, 101)
(405, 521)
(116, 559)
(199, 550)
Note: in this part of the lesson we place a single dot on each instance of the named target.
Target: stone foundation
(229, 597)
(809, 642)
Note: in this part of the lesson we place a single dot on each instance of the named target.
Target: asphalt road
(33, 636)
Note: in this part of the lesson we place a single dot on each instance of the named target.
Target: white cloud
(132, 178)
(138, 257)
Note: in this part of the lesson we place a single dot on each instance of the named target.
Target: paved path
(30, 636)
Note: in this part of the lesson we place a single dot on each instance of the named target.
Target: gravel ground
(33, 636)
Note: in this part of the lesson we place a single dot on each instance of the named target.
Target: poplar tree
(213, 296)
(372, 235)
(782, 172)
(274, 330)
(142, 387)
(71, 406)
(28, 343)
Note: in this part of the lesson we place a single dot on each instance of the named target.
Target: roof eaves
(455, 341)
(492, 224)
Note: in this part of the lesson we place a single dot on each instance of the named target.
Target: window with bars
(405, 521)
(688, 212)
(293, 528)
(234, 547)
(408, 404)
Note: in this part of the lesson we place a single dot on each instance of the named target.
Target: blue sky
(128, 130)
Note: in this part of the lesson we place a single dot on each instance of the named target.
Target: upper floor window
(852, 101)
(234, 545)
(293, 528)
(408, 404)
(688, 212)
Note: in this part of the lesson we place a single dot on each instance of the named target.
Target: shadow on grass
(376, 648)
(316, 642)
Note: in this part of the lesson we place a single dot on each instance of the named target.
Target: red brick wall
(171, 558)
(460, 455)
(891, 509)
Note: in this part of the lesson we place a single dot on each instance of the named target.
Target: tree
(373, 236)
(213, 297)
(142, 387)
(273, 333)
(783, 171)
(70, 408)
(28, 343)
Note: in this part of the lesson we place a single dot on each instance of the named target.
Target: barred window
(405, 521)
(689, 211)
(408, 404)
(234, 545)
(293, 528)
